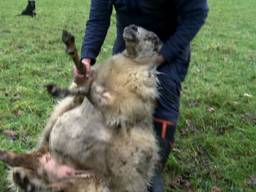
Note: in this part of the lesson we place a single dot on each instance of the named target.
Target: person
(176, 22)
(30, 9)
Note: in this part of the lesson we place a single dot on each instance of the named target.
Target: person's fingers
(79, 77)
(87, 64)
(159, 60)
(87, 69)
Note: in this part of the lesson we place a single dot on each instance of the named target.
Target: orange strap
(165, 125)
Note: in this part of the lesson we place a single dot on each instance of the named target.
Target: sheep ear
(160, 45)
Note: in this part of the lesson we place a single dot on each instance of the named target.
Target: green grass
(216, 140)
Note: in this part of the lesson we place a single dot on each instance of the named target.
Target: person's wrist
(86, 61)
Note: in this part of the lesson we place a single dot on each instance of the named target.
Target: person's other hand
(159, 60)
(80, 78)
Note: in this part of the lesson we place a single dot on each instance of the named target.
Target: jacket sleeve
(96, 28)
(191, 16)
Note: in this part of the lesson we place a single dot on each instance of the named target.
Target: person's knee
(169, 97)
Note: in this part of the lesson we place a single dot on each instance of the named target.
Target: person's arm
(96, 29)
(95, 34)
(192, 15)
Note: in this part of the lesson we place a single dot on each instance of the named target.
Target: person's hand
(80, 78)
(159, 60)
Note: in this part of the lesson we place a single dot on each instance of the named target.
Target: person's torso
(159, 16)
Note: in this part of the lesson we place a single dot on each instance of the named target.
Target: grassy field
(216, 141)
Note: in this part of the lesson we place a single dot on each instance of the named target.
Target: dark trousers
(165, 131)
(166, 113)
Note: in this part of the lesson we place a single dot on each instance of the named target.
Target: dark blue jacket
(176, 22)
